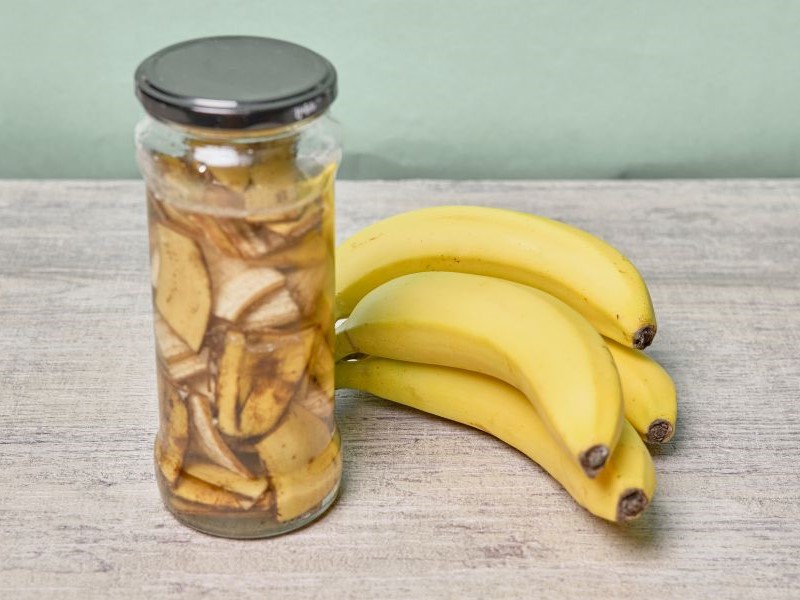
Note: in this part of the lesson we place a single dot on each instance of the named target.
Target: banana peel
(309, 220)
(319, 402)
(294, 443)
(250, 487)
(236, 294)
(276, 375)
(273, 187)
(210, 228)
(191, 367)
(311, 250)
(155, 266)
(173, 437)
(171, 347)
(322, 365)
(249, 242)
(183, 293)
(275, 310)
(198, 491)
(208, 439)
(236, 178)
(228, 382)
(306, 285)
(304, 488)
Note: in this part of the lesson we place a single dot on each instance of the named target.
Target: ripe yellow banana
(648, 391)
(620, 493)
(514, 332)
(585, 272)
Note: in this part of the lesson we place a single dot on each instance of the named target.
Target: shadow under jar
(239, 157)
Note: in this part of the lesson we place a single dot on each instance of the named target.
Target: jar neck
(247, 136)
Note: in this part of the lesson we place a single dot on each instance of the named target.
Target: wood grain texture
(429, 509)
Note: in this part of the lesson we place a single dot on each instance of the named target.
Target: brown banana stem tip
(631, 505)
(644, 337)
(593, 459)
(660, 431)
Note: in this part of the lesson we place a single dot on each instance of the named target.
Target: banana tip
(593, 459)
(631, 505)
(644, 337)
(660, 431)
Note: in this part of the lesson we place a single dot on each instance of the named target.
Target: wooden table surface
(429, 509)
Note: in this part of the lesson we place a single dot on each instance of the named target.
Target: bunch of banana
(521, 326)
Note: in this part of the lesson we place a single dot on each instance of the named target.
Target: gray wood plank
(429, 509)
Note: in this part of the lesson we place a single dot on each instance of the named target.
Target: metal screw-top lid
(235, 82)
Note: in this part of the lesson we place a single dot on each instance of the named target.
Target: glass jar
(239, 157)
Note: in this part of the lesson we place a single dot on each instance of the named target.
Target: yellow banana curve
(510, 331)
(620, 493)
(580, 269)
(649, 396)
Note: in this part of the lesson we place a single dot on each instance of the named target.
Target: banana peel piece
(306, 285)
(191, 367)
(276, 375)
(235, 178)
(250, 487)
(228, 382)
(322, 365)
(183, 293)
(272, 187)
(209, 440)
(303, 489)
(312, 250)
(198, 491)
(276, 310)
(171, 346)
(155, 266)
(317, 401)
(215, 237)
(294, 443)
(173, 437)
(310, 220)
(236, 294)
(251, 244)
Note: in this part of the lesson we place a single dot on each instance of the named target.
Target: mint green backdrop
(435, 88)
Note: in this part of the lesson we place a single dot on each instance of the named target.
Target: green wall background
(434, 88)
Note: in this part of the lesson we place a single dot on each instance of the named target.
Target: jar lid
(235, 82)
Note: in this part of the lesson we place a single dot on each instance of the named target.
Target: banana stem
(631, 505)
(660, 431)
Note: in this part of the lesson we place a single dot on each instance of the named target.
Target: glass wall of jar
(239, 157)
